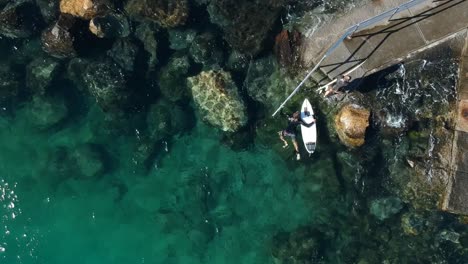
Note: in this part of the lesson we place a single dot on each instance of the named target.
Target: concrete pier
(387, 42)
(456, 196)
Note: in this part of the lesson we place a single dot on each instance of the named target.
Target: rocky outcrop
(351, 123)
(218, 100)
(124, 52)
(110, 26)
(167, 13)
(245, 29)
(205, 50)
(20, 19)
(286, 48)
(40, 73)
(58, 40)
(85, 9)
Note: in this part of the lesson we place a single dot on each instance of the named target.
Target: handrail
(349, 31)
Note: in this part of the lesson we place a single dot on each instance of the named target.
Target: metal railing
(388, 15)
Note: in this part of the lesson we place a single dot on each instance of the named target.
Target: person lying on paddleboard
(340, 83)
(291, 131)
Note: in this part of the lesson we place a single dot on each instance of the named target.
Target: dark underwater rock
(20, 19)
(206, 51)
(106, 81)
(180, 39)
(172, 78)
(75, 70)
(238, 62)
(85, 9)
(167, 13)
(49, 9)
(124, 53)
(9, 83)
(245, 23)
(146, 33)
(302, 246)
(40, 73)
(88, 160)
(111, 25)
(58, 39)
(165, 120)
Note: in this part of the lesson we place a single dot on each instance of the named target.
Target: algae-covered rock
(412, 223)
(218, 100)
(167, 13)
(351, 123)
(40, 73)
(58, 39)
(86, 9)
(385, 207)
(245, 23)
(111, 25)
(20, 19)
(172, 78)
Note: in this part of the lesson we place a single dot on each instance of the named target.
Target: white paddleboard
(309, 129)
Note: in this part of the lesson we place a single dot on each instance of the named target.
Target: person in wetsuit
(291, 131)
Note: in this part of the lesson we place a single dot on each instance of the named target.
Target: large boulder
(111, 25)
(167, 13)
(351, 123)
(218, 100)
(20, 19)
(44, 112)
(85, 9)
(245, 29)
(106, 81)
(58, 39)
(172, 78)
(40, 73)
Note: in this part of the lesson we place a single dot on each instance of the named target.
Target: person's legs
(328, 91)
(296, 147)
(280, 133)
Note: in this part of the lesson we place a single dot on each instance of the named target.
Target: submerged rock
(111, 25)
(9, 83)
(205, 50)
(180, 39)
(218, 100)
(146, 33)
(167, 13)
(88, 160)
(124, 53)
(245, 29)
(86, 9)
(106, 81)
(19, 19)
(165, 120)
(49, 10)
(304, 245)
(385, 207)
(351, 123)
(172, 78)
(40, 73)
(58, 39)
(44, 111)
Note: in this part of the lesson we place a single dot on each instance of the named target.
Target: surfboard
(309, 127)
